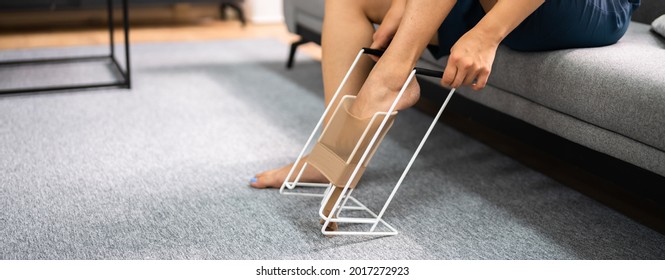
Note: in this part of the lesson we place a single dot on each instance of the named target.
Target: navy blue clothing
(557, 24)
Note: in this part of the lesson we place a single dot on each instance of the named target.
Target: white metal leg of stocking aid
(338, 213)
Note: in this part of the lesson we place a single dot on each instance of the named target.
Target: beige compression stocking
(343, 143)
(341, 146)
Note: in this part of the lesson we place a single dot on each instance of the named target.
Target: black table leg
(125, 81)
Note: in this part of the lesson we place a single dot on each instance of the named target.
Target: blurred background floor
(178, 23)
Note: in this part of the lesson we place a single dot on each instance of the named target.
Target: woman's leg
(347, 27)
(419, 24)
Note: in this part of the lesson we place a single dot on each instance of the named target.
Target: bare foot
(274, 178)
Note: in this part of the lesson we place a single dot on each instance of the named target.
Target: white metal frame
(288, 188)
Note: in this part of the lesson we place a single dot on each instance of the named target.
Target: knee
(350, 5)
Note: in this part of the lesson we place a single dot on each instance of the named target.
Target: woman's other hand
(472, 56)
(470, 61)
(388, 27)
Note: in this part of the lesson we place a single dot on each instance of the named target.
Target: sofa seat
(611, 99)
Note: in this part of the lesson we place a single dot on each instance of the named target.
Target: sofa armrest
(308, 13)
(289, 15)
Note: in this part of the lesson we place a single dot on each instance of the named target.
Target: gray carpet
(160, 172)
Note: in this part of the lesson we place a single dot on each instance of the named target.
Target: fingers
(388, 27)
(481, 82)
(378, 46)
(461, 72)
(448, 74)
(458, 72)
(381, 39)
(470, 77)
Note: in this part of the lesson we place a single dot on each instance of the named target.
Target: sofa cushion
(619, 87)
(658, 25)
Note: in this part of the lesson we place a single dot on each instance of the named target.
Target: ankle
(389, 77)
(381, 88)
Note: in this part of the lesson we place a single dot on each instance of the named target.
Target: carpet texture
(160, 172)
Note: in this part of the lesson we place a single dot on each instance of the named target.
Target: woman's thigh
(372, 10)
(560, 24)
(557, 24)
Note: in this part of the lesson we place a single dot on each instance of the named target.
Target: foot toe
(263, 182)
(256, 182)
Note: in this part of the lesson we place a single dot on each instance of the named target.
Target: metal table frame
(124, 82)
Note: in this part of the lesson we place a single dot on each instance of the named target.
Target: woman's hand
(388, 27)
(472, 55)
(470, 60)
